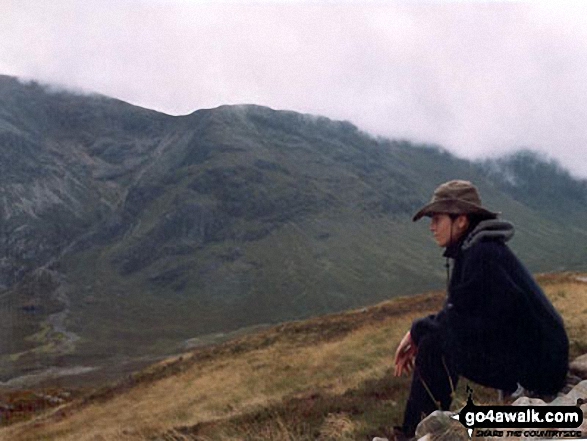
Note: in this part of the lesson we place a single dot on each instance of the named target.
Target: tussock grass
(322, 379)
(567, 293)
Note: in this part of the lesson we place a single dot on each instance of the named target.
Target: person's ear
(462, 222)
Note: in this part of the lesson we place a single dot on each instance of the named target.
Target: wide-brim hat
(455, 197)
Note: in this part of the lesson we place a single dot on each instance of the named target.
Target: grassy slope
(324, 378)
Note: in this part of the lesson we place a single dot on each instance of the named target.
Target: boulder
(578, 367)
(439, 425)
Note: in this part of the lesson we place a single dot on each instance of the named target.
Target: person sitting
(496, 328)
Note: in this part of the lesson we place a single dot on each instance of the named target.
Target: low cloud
(481, 79)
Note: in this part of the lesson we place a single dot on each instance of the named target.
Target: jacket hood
(493, 229)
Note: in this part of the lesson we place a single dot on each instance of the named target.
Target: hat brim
(453, 206)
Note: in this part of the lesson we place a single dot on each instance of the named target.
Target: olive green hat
(455, 197)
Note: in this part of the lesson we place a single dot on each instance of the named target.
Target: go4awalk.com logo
(547, 422)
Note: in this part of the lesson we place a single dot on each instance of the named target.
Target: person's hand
(405, 355)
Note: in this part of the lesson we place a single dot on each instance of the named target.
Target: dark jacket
(496, 319)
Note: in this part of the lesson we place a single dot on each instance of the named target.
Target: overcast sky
(478, 78)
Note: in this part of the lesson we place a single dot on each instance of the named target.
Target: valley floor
(327, 378)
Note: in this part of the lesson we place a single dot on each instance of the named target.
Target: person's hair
(474, 220)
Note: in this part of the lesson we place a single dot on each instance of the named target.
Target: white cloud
(480, 78)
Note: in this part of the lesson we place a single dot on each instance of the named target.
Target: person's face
(447, 230)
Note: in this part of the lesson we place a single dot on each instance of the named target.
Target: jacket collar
(454, 248)
(484, 230)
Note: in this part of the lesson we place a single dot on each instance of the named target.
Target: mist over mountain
(125, 232)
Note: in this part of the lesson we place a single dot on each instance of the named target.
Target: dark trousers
(435, 377)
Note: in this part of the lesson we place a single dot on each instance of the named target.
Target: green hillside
(126, 232)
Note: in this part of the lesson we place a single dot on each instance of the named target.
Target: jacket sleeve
(434, 323)
(483, 311)
(477, 308)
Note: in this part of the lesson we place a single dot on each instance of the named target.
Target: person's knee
(433, 364)
(429, 347)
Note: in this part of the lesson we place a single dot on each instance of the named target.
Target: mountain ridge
(126, 232)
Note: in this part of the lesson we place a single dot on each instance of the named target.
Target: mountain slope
(541, 184)
(126, 232)
(292, 381)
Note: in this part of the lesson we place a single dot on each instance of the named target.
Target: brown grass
(324, 378)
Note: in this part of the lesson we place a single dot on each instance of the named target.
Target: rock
(526, 401)
(570, 399)
(578, 367)
(579, 392)
(572, 381)
(439, 426)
